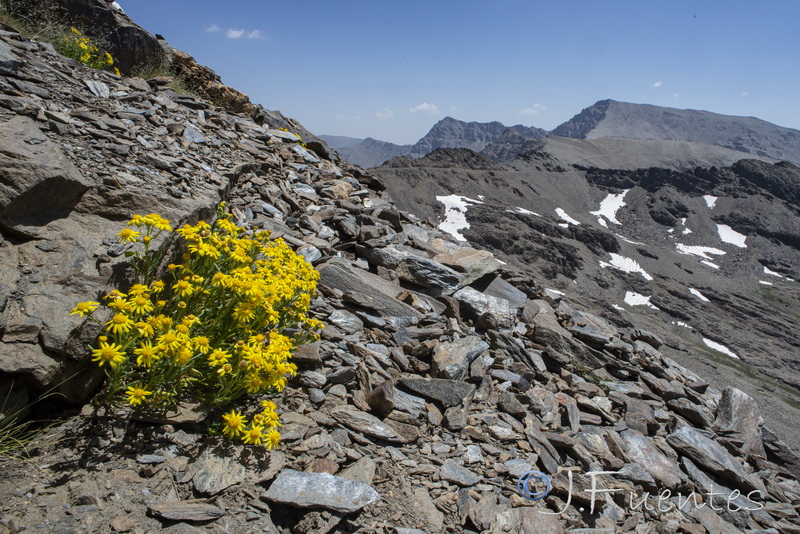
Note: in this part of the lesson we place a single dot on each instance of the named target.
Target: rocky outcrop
(441, 378)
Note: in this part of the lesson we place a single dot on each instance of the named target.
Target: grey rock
(346, 320)
(644, 452)
(452, 360)
(320, 490)
(366, 424)
(737, 415)
(458, 474)
(214, 472)
(469, 261)
(425, 510)
(479, 304)
(713, 457)
(592, 328)
(99, 89)
(448, 392)
(193, 135)
(40, 184)
(342, 275)
(9, 61)
(362, 471)
(186, 511)
(423, 272)
(694, 413)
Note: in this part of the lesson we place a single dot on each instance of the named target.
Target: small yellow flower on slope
(119, 324)
(128, 235)
(85, 308)
(234, 423)
(254, 434)
(111, 354)
(136, 395)
(273, 439)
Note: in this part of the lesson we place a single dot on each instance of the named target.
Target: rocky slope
(609, 118)
(441, 377)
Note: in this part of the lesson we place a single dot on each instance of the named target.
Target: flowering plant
(220, 326)
(77, 46)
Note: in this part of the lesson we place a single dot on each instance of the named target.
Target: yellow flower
(254, 435)
(111, 354)
(273, 439)
(234, 423)
(243, 312)
(85, 308)
(119, 324)
(169, 340)
(140, 305)
(136, 395)
(201, 344)
(144, 329)
(146, 354)
(218, 357)
(157, 286)
(183, 288)
(225, 369)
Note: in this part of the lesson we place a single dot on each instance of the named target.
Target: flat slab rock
(320, 490)
(186, 511)
(370, 425)
(448, 392)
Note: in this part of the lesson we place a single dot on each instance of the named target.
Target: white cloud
(255, 34)
(425, 108)
(234, 34)
(213, 28)
(533, 110)
(676, 95)
(385, 113)
(744, 94)
(658, 84)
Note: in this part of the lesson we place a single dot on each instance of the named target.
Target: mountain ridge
(688, 138)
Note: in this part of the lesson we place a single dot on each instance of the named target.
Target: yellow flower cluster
(224, 325)
(77, 46)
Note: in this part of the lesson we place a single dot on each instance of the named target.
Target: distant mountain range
(631, 135)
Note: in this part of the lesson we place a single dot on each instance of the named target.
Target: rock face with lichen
(442, 375)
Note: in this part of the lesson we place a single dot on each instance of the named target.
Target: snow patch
(563, 225)
(720, 348)
(618, 307)
(765, 283)
(455, 214)
(697, 294)
(609, 207)
(624, 264)
(710, 264)
(729, 235)
(628, 240)
(710, 201)
(681, 324)
(703, 252)
(566, 218)
(779, 275)
(635, 299)
(523, 211)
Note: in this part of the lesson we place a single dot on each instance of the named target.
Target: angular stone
(457, 474)
(320, 490)
(363, 471)
(640, 416)
(535, 520)
(346, 320)
(425, 509)
(423, 272)
(186, 511)
(366, 424)
(713, 457)
(214, 473)
(8, 60)
(737, 415)
(478, 304)
(473, 263)
(644, 452)
(342, 275)
(452, 360)
(448, 392)
(694, 413)
(591, 328)
(39, 183)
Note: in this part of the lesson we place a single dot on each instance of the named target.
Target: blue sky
(390, 70)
